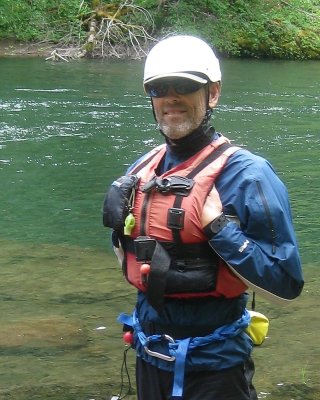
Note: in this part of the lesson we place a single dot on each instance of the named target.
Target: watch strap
(216, 225)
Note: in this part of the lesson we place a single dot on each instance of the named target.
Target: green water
(68, 129)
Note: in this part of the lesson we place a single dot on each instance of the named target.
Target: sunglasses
(181, 86)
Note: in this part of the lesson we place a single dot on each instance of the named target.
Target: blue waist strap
(178, 349)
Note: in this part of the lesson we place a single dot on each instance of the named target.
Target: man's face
(179, 114)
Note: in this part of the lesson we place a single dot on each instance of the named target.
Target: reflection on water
(59, 339)
(66, 131)
(58, 336)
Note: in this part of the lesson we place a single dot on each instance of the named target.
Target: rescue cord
(253, 303)
(124, 371)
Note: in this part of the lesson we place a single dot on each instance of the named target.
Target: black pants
(229, 384)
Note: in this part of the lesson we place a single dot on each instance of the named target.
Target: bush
(28, 20)
(251, 28)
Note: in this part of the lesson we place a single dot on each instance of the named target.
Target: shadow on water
(59, 338)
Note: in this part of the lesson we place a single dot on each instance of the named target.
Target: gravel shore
(11, 48)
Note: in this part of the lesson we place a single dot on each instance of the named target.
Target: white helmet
(182, 56)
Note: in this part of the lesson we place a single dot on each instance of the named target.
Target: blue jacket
(260, 248)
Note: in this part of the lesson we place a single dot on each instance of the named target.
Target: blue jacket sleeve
(261, 249)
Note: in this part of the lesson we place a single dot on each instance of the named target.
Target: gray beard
(179, 130)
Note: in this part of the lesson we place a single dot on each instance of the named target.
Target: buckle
(155, 353)
(175, 218)
(177, 185)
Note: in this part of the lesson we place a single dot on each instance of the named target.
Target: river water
(66, 131)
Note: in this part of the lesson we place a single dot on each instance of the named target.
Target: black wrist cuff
(115, 239)
(216, 225)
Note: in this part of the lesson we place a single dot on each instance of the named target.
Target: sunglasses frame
(180, 86)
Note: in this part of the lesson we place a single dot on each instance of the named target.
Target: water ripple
(46, 90)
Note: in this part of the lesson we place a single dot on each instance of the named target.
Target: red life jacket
(152, 208)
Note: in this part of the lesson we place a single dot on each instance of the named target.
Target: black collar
(192, 143)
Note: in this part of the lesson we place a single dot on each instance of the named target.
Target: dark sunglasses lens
(157, 90)
(187, 86)
(184, 86)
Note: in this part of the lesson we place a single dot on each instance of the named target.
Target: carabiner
(155, 353)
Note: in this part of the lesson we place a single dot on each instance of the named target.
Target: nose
(171, 92)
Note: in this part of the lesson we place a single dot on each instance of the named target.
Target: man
(196, 223)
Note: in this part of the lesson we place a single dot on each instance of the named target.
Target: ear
(214, 94)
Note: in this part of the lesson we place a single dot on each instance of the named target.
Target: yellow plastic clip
(129, 224)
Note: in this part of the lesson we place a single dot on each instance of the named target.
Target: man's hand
(212, 207)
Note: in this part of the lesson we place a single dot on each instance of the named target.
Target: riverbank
(13, 48)
(46, 50)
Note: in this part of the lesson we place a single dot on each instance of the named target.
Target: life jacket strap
(179, 369)
(179, 198)
(160, 262)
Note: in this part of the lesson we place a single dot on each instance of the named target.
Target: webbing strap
(179, 349)
(203, 164)
(209, 159)
(160, 264)
(145, 162)
(179, 367)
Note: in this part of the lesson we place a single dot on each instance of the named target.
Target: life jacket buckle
(175, 218)
(175, 184)
(155, 353)
(178, 185)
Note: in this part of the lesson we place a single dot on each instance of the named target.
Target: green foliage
(277, 29)
(39, 19)
(251, 28)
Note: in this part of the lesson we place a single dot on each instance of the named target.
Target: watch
(216, 225)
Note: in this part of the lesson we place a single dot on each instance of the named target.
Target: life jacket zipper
(269, 217)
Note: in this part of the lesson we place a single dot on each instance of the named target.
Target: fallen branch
(108, 36)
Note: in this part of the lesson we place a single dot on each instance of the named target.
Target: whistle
(129, 224)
